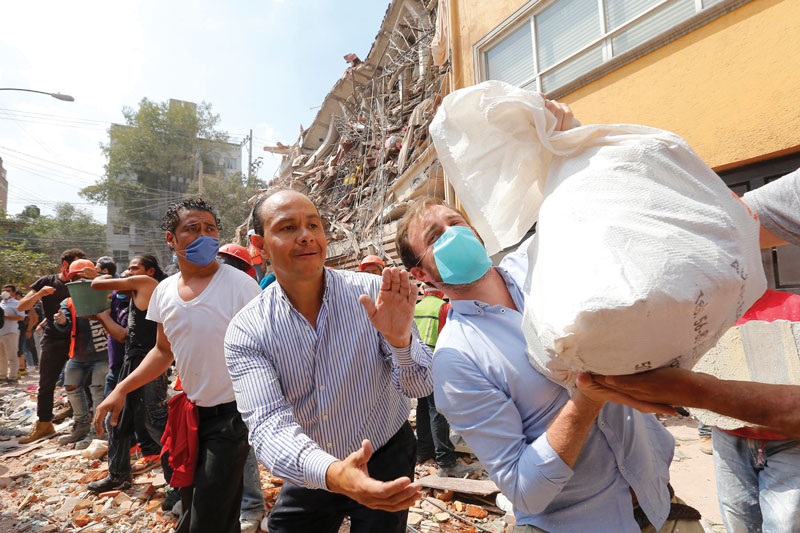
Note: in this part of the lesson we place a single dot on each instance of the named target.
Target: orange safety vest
(73, 334)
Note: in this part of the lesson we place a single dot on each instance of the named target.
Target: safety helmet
(77, 266)
(371, 260)
(239, 252)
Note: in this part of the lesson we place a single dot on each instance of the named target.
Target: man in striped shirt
(323, 363)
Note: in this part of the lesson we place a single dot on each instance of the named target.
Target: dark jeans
(55, 353)
(302, 510)
(433, 433)
(112, 378)
(212, 504)
(27, 347)
(147, 404)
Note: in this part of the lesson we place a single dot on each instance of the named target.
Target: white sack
(643, 257)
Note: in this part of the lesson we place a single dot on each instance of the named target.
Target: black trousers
(145, 412)
(212, 504)
(433, 433)
(302, 510)
(55, 354)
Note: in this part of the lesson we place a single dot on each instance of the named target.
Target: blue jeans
(758, 483)
(75, 375)
(253, 504)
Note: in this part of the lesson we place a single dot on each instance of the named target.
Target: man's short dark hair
(107, 263)
(258, 224)
(404, 248)
(173, 215)
(72, 254)
(13, 288)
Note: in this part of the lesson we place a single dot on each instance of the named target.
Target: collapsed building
(368, 153)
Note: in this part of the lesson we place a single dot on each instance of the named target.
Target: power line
(51, 162)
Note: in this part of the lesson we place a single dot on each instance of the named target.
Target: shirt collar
(477, 307)
(329, 279)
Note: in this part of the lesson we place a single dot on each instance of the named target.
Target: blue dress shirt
(493, 397)
(310, 396)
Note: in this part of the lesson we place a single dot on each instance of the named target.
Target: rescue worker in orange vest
(433, 431)
(88, 356)
(372, 264)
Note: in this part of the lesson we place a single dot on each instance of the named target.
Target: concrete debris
(368, 151)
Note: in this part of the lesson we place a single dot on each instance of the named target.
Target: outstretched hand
(351, 478)
(598, 389)
(393, 313)
(112, 405)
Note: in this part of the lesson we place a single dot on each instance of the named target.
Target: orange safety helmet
(239, 252)
(77, 266)
(371, 260)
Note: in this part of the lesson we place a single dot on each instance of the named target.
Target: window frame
(527, 13)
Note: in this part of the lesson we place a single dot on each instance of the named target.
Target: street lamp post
(57, 96)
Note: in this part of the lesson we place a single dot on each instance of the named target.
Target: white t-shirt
(196, 330)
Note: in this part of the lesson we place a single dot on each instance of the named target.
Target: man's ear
(421, 274)
(171, 240)
(258, 242)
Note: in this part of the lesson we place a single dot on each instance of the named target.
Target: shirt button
(330, 445)
(502, 310)
(322, 388)
(307, 328)
(325, 418)
(622, 469)
(602, 424)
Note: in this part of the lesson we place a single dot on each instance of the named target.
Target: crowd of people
(311, 374)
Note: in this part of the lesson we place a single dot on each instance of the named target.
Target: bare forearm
(28, 301)
(155, 363)
(772, 406)
(568, 432)
(117, 332)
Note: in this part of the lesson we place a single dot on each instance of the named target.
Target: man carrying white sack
(567, 463)
(777, 205)
(642, 257)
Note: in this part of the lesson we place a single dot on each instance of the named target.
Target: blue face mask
(121, 296)
(460, 256)
(202, 251)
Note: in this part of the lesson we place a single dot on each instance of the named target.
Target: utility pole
(250, 159)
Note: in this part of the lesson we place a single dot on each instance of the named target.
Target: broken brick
(474, 511)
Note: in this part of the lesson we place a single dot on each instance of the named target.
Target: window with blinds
(558, 42)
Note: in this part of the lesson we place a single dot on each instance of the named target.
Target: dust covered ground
(42, 486)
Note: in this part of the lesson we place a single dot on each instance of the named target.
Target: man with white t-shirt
(193, 309)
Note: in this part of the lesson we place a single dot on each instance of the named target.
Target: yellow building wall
(731, 88)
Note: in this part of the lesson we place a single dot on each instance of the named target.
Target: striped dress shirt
(310, 396)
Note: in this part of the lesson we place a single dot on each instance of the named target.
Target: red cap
(371, 260)
(240, 252)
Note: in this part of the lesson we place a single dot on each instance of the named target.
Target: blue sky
(263, 65)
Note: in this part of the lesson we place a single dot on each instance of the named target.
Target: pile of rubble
(372, 131)
(43, 486)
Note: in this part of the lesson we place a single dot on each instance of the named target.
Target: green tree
(70, 227)
(229, 197)
(155, 155)
(21, 266)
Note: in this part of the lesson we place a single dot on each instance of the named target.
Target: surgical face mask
(5, 295)
(121, 296)
(460, 256)
(202, 251)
